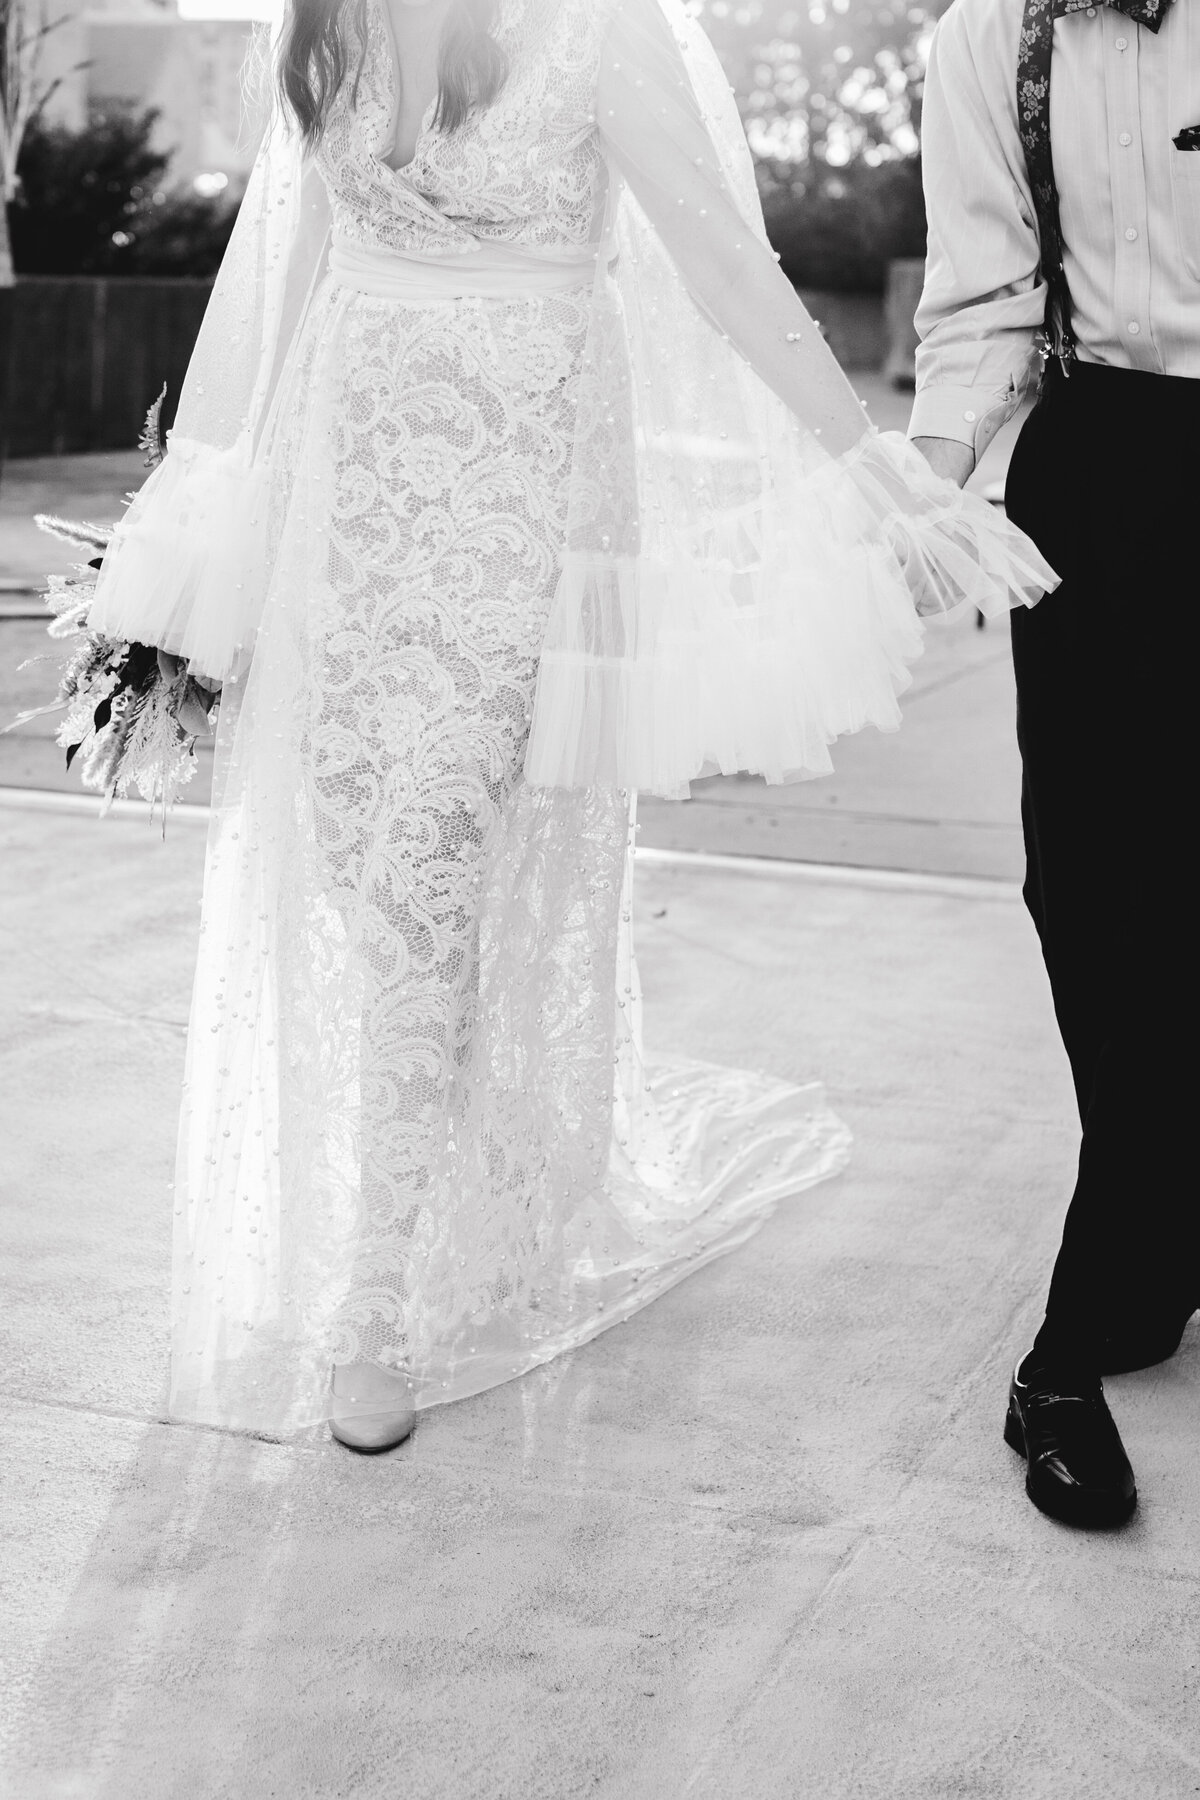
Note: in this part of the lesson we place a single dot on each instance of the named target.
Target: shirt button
(969, 417)
(1122, 43)
(1131, 235)
(1133, 328)
(1125, 138)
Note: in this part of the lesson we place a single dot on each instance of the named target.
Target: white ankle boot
(372, 1408)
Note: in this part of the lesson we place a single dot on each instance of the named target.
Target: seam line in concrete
(717, 806)
(959, 887)
(31, 799)
(313, 1439)
(88, 1407)
(1148, 1728)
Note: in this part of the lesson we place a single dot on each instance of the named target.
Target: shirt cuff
(969, 416)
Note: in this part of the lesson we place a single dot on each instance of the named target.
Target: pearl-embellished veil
(743, 553)
(498, 490)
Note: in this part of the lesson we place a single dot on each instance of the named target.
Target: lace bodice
(528, 170)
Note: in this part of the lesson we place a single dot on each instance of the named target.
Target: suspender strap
(1034, 56)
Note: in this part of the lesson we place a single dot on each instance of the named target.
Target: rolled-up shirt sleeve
(983, 300)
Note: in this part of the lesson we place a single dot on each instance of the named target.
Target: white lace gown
(418, 1127)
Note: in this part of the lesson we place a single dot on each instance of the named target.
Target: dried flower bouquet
(133, 715)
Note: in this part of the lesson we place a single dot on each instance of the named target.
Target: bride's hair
(314, 62)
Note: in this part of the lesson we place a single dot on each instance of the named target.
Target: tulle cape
(745, 558)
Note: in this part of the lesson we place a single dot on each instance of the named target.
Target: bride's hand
(953, 461)
(194, 709)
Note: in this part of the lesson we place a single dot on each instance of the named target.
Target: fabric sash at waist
(492, 271)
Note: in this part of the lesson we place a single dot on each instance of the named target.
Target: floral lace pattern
(418, 1130)
(450, 445)
(528, 170)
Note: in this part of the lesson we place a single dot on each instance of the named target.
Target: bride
(510, 477)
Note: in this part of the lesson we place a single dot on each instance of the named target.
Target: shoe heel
(1014, 1436)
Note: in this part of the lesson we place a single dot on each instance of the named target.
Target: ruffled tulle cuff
(710, 683)
(186, 569)
(752, 649)
(951, 547)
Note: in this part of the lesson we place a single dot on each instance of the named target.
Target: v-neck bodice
(527, 170)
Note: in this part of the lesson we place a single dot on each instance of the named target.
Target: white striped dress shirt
(1129, 203)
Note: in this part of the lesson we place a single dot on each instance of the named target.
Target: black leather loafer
(1078, 1470)
(1137, 1345)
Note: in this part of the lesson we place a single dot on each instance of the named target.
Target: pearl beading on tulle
(417, 1124)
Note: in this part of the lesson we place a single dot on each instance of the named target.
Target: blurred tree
(830, 94)
(93, 202)
(839, 228)
(24, 28)
(827, 81)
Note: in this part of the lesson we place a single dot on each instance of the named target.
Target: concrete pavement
(763, 1541)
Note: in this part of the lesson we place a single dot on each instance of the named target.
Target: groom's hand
(947, 457)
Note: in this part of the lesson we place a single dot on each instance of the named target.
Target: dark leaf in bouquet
(140, 667)
(103, 713)
(72, 751)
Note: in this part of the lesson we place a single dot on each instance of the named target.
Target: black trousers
(1105, 478)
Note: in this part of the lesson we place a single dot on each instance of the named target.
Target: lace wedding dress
(527, 482)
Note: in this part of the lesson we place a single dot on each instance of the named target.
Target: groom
(1079, 217)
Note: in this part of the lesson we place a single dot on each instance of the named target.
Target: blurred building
(141, 53)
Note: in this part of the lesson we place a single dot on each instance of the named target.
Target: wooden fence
(87, 355)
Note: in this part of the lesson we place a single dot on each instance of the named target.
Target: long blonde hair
(313, 63)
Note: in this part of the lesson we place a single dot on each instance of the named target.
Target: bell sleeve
(746, 558)
(188, 566)
(663, 109)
